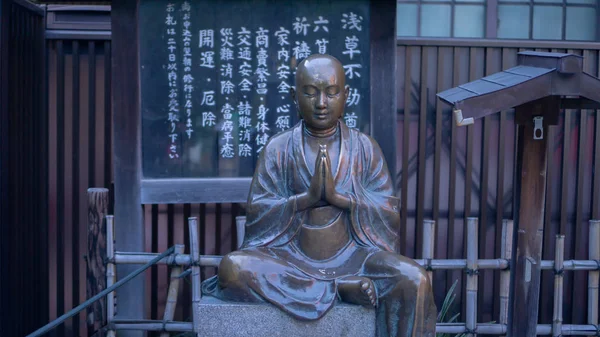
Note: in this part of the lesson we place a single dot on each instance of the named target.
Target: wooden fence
(445, 173)
(23, 202)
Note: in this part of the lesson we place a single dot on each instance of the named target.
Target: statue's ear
(293, 94)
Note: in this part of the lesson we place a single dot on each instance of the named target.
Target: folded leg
(254, 275)
(406, 304)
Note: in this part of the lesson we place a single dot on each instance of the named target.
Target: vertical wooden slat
(75, 179)
(444, 55)
(218, 229)
(60, 186)
(564, 193)
(405, 146)
(92, 113)
(107, 114)
(454, 247)
(502, 130)
(487, 223)
(422, 134)
(596, 155)
(580, 230)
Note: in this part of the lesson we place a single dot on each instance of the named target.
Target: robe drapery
(271, 264)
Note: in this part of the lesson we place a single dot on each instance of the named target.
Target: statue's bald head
(321, 92)
(320, 67)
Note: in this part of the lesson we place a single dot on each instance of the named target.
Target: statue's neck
(321, 133)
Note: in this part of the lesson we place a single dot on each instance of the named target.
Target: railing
(175, 256)
(108, 291)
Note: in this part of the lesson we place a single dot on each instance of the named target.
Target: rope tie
(428, 266)
(471, 272)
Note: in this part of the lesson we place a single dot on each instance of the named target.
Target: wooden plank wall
(23, 225)
(444, 173)
(448, 173)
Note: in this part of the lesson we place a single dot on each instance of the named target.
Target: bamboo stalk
(111, 272)
(574, 265)
(149, 325)
(196, 280)
(472, 240)
(558, 286)
(428, 245)
(593, 276)
(180, 260)
(500, 329)
(240, 225)
(506, 253)
(173, 291)
(462, 264)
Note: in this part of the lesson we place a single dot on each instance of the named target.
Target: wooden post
(96, 257)
(173, 291)
(472, 256)
(428, 245)
(506, 253)
(557, 316)
(531, 200)
(593, 276)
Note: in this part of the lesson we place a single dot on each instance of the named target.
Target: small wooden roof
(537, 75)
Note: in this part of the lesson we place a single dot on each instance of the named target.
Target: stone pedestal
(224, 319)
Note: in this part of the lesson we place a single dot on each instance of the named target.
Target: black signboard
(215, 77)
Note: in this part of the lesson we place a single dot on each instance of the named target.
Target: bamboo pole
(593, 276)
(173, 291)
(472, 239)
(152, 326)
(111, 272)
(558, 286)
(196, 280)
(501, 329)
(450, 264)
(506, 253)
(428, 245)
(240, 225)
(180, 260)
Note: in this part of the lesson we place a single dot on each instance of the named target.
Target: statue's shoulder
(367, 142)
(279, 141)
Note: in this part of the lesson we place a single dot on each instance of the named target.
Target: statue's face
(320, 92)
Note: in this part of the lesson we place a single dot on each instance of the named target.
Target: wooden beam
(531, 173)
(127, 154)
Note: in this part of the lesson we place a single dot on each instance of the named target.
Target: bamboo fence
(472, 264)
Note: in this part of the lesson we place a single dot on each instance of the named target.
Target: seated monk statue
(322, 222)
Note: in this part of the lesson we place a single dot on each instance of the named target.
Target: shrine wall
(444, 173)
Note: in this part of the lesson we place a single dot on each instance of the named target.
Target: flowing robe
(272, 264)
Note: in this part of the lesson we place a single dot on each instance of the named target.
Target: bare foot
(357, 290)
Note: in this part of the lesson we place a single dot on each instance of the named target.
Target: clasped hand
(322, 186)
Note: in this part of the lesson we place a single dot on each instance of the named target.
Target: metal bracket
(538, 127)
(460, 120)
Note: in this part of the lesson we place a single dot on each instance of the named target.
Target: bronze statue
(322, 221)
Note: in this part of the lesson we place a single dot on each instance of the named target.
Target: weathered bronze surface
(322, 221)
